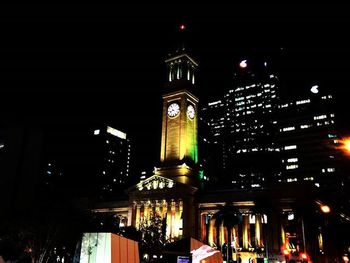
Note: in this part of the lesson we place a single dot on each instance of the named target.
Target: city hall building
(274, 224)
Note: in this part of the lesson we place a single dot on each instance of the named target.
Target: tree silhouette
(153, 234)
(229, 216)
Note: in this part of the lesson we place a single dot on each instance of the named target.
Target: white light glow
(303, 101)
(314, 89)
(116, 132)
(243, 63)
(214, 103)
(290, 216)
(290, 147)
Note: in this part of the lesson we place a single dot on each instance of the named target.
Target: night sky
(68, 67)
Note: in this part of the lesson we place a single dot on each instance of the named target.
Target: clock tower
(169, 192)
(179, 143)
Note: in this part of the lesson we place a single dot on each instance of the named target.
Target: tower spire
(179, 143)
(181, 67)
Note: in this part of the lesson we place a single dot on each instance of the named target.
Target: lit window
(214, 103)
(290, 147)
(289, 128)
(308, 179)
(305, 126)
(292, 160)
(292, 167)
(289, 180)
(302, 101)
(331, 170)
(116, 132)
(320, 117)
(96, 132)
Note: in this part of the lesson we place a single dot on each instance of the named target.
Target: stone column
(211, 234)
(245, 232)
(164, 208)
(157, 210)
(180, 218)
(137, 221)
(168, 219)
(203, 229)
(146, 212)
(222, 234)
(258, 231)
(173, 219)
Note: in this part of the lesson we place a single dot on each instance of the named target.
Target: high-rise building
(308, 140)
(213, 151)
(110, 155)
(259, 138)
(275, 223)
(243, 124)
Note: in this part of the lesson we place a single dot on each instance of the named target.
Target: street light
(325, 209)
(345, 145)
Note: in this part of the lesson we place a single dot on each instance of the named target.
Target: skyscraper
(110, 155)
(308, 139)
(213, 150)
(265, 224)
(245, 126)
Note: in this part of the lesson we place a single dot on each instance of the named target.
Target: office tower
(308, 140)
(243, 124)
(213, 151)
(110, 156)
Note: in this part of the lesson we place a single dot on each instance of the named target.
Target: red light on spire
(182, 27)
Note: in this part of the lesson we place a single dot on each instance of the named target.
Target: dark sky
(68, 66)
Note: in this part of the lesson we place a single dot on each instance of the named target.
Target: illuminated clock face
(190, 111)
(173, 109)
